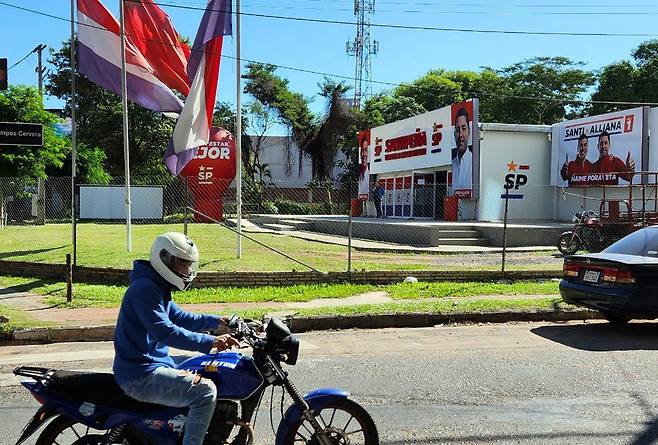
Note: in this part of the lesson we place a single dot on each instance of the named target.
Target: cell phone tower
(362, 48)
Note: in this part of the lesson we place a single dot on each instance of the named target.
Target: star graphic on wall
(512, 166)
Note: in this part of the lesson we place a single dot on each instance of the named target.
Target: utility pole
(362, 48)
(40, 69)
(41, 186)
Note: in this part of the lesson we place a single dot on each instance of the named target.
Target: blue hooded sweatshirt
(149, 322)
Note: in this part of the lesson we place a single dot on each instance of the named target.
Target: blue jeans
(178, 389)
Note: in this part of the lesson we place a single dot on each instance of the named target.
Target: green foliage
(318, 136)
(287, 207)
(23, 104)
(273, 91)
(556, 80)
(270, 208)
(100, 124)
(383, 108)
(629, 81)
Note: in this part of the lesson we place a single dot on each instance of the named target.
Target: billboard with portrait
(599, 150)
(445, 137)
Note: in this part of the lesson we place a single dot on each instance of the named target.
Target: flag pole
(124, 100)
(74, 240)
(238, 130)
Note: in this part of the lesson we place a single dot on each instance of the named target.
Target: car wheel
(615, 318)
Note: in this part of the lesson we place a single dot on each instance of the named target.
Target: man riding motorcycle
(150, 322)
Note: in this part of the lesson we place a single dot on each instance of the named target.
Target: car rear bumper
(629, 301)
(599, 298)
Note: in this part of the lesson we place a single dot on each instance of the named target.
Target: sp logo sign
(516, 178)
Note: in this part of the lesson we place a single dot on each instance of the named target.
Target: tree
(99, 123)
(544, 90)
(629, 81)
(384, 108)
(261, 121)
(317, 136)
(23, 104)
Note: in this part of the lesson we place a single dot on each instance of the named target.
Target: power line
(379, 25)
(338, 76)
(17, 63)
(622, 11)
(476, 4)
(419, 28)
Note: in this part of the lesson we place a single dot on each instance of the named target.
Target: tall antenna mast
(362, 48)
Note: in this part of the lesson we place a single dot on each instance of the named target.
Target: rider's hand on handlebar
(225, 341)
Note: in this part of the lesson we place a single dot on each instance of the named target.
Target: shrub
(287, 207)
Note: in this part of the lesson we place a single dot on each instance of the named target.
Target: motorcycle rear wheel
(66, 431)
(568, 243)
(345, 421)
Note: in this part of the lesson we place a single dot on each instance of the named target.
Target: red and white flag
(195, 121)
(149, 28)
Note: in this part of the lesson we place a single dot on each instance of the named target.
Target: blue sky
(404, 54)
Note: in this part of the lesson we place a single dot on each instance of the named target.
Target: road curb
(331, 322)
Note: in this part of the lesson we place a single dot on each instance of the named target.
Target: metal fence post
(349, 232)
(505, 229)
(41, 202)
(69, 278)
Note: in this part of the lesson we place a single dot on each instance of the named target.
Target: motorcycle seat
(97, 388)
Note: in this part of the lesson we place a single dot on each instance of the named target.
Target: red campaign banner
(210, 173)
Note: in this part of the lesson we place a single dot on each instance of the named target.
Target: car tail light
(570, 269)
(618, 276)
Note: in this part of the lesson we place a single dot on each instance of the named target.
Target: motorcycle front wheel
(569, 243)
(66, 431)
(344, 421)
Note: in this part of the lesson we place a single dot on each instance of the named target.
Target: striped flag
(195, 121)
(99, 48)
(149, 28)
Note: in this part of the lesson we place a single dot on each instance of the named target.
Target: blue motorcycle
(90, 408)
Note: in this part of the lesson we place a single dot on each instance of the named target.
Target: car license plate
(592, 276)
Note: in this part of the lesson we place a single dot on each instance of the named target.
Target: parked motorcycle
(587, 234)
(91, 409)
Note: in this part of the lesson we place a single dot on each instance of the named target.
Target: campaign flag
(99, 49)
(149, 28)
(194, 123)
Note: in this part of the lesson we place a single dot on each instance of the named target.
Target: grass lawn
(445, 307)
(443, 289)
(17, 320)
(104, 245)
(92, 295)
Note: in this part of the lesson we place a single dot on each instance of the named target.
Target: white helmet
(175, 257)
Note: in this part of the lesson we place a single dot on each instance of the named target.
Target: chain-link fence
(326, 227)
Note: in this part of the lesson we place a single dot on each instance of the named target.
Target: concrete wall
(251, 279)
(282, 156)
(501, 145)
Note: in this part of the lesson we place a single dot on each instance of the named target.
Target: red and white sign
(597, 150)
(210, 173)
(444, 137)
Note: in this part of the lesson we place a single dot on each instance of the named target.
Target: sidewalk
(97, 324)
(33, 305)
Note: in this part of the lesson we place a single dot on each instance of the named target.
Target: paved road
(534, 383)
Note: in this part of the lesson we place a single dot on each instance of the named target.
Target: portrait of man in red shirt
(579, 166)
(608, 163)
